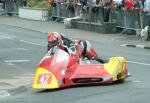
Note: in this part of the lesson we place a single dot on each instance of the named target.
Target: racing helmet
(54, 39)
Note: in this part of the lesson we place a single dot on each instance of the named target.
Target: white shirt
(118, 1)
(147, 5)
(91, 2)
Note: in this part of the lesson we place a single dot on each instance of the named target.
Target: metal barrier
(10, 7)
(133, 20)
(65, 10)
(60, 10)
(1, 8)
(128, 19)
(125, 19)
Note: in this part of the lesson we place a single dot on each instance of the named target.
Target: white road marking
(140, 46)
(10, 64)
(123, 44)
(28, 42)
(136, 81)
(22, 49)
(139, 63)
(13, 49)
(13, 61)
(5, 37)
(25, 76)
(4, 93)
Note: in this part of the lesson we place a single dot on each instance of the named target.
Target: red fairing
(90, 71)
(47, 63)
(73, 61)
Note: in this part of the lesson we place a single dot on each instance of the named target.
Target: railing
(65, 10)
(10, 7)
(125, 19)
(1, 9)
(128, 20)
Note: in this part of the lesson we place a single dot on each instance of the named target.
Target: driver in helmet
(56, 39)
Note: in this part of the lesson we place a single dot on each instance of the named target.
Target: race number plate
(44, 79)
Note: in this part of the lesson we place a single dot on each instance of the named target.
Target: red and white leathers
(88, 51)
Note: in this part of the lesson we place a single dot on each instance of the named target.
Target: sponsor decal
(44, 79)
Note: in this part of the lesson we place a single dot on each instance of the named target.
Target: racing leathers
(87, 51)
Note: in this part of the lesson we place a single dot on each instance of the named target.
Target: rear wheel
(119, 76)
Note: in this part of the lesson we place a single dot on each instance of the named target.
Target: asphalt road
(21, 49)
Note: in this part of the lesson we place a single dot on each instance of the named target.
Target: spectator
(117, 13)
(74, 6)
(84, 10)
(117, 4)
(53, 5)
(51, 2)
(106, 4)
(147, 6)
(95, 11)
(129, 19)
(11, 7)
(78, 7)
(24, 2)
(58, 7)
(146, 11)
(129, 4)
(142, 3)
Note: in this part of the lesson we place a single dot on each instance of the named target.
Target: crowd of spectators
(128, 10)
(125, 12)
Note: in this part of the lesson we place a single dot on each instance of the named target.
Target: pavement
(9, 87)
(12, 81)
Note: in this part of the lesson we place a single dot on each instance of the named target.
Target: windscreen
(57, 56)
(60, 56)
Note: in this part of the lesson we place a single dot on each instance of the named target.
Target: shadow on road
(82, 86)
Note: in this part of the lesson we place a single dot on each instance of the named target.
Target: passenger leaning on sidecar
(56, 39)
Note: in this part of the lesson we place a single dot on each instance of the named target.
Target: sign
(44, 79)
